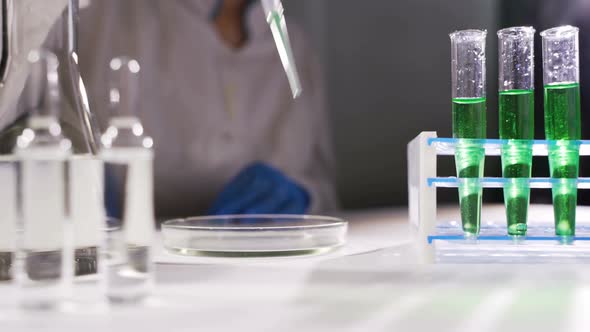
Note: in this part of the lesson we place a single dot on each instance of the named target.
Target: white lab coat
(210, 109)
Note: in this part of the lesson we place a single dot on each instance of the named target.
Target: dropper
(275, 17)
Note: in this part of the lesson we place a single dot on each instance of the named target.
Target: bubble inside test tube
(561, 62)
(516, 58)
(468, 62)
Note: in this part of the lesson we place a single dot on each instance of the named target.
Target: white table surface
(366, 286)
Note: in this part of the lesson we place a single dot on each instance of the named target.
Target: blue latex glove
(112, 194)
(261, 189)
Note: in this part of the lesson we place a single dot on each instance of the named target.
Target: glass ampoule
(45, 249)
(128, 158)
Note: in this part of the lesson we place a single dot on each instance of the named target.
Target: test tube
(128, 159)
(516, 108)
(561, 77)
(45, 250)
(275, 17)
(468, 70)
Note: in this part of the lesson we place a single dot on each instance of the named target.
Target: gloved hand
(261, 189)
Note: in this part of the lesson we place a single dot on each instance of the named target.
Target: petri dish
(254, 235)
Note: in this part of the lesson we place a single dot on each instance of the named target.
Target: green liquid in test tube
(516, 113)
(469, 121)
(562, 121)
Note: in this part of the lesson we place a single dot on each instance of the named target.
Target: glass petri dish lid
(254, 235)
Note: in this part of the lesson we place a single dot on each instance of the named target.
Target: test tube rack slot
(444, 241)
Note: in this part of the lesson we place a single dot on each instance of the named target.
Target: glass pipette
(275, 17)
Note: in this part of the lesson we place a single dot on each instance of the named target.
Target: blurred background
(387, 68)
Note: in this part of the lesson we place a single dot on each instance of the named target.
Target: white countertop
(362, 287)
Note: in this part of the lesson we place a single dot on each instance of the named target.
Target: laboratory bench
(368, 285)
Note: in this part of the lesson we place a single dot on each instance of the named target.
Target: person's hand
(261, 189)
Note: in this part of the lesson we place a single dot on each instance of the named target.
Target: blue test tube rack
(444, 241)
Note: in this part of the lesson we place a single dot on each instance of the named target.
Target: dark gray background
(387, 65)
